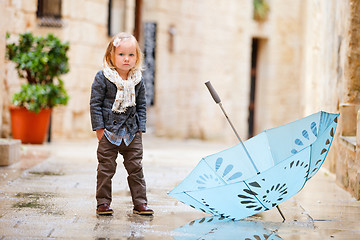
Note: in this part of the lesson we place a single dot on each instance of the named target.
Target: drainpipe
(138, 19)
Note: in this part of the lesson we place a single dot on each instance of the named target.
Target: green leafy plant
(261, 10)
(41, 61)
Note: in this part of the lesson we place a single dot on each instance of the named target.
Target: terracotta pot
(29, 127)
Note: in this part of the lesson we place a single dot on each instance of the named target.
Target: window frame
(47, 19)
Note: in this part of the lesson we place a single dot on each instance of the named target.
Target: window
(116, 17)
(49, 13)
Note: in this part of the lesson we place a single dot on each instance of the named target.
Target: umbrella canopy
(234, 185)
(223, 228)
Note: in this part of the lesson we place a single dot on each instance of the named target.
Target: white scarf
(125, 94)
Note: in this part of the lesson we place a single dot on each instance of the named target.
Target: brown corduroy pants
(107, 154)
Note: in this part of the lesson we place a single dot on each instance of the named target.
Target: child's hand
(99, 133)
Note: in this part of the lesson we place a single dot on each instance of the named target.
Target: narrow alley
(50, 194)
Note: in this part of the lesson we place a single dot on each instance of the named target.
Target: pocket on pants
(102, 137)
(138, 137)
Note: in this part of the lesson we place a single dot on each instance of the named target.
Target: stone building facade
(302, 58)
(84, 25)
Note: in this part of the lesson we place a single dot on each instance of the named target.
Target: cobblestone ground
(50, 194)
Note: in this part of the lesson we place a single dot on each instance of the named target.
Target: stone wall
(308, 61)
(16, 17)
(330, 79)
(323, 56)
(216, 45)
(2, 68)
(348, 154)
(278, 99)
(355, 187)
(212, 41)
(85, 27)
(352, 65)
(86, 30)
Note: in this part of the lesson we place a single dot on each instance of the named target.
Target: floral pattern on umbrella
(226, 184)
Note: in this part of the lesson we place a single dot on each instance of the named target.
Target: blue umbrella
(260, 173)
(223, 228)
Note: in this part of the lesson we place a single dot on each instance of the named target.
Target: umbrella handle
(212, 91)
(218, 101)
(216, 98)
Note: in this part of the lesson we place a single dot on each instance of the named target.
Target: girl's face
(125, 57)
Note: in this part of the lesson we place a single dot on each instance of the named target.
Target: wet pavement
(50, 194)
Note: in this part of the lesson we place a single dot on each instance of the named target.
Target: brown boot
(143, 209)
(104, 209)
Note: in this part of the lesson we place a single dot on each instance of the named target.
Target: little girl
(118, 115)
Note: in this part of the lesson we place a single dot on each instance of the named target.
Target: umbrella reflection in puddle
(217, 227)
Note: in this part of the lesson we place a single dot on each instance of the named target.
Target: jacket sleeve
(141, 106)
(96, 102)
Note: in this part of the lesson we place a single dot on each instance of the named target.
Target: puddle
(28, 204)
(30, 200)
(46, 173)
(219, 228)
(35, 195)
(36, 200)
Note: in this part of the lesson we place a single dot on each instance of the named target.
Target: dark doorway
(254, 56)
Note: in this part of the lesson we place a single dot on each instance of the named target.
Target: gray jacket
(103, 94)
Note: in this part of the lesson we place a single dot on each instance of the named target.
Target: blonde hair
(110, 50)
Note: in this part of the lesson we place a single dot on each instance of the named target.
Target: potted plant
(40, 61)
(261, 10)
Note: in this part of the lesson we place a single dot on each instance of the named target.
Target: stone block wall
(308, 61)
(213, 42)
(347, 166)
(356, 178)
(2, 67)
(85, 27)
(9, 151)
(348, 160)
(86, 30)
